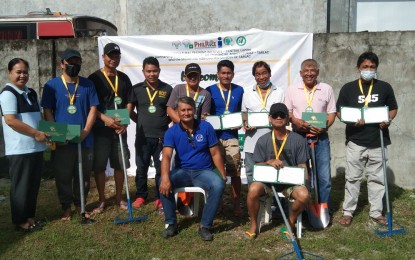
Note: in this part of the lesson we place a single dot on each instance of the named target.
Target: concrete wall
(147, 17)
(337, 54)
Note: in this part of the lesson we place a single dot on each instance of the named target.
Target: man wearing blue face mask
(363, 147)
(71, 99)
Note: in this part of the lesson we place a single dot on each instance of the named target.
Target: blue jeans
(322, 154)
(145, 148)
(203, 178)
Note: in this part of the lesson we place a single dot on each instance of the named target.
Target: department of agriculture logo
(53, 129)
(241, 40)
(314, 118)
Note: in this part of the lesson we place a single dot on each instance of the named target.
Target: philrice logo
(199, 138)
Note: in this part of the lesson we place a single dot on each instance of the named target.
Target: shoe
(170, 231)
(157, 204)
(29, 229)
(138, 202)
(205, 234)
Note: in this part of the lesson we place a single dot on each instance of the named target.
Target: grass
(105, 240)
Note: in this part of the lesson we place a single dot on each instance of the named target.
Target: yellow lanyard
(115, 89)
(309, 97)
(196, 93)
(223, 96)
(71, 97)
(149, 95)
(263, 100)
(277, 155)
(368, 93)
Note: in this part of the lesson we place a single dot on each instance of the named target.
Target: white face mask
(368, 74)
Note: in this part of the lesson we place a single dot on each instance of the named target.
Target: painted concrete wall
(337, 54)
(189, 17)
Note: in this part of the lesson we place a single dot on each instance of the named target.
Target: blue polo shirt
(55, 97)
(192, 152)
(218, 106)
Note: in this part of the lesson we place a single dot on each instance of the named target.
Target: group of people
(171, 131)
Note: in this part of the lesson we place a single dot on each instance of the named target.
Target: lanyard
(368, 93)
(277, 155)
(151, 97)
(263, 100)
(71, 97)
(196, 93)
(309, 97)
(115, 89)
(223, 96)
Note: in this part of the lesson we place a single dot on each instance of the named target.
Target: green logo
(241, 40)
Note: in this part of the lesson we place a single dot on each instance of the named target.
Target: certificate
(56, 131)
(315, 119)
(376, 114)
(121, 115)
(258, 119)
(265, 173)
(233, 120)
(215, 121)
(285, 175)
(350, 114)
(74, 133)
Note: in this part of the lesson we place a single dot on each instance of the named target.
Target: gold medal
(152, 109)
(118, 100)
(71, 109)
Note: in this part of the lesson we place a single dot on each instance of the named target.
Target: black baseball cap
(111, 47)
(278, 107)
(192, 68)
(69, 53)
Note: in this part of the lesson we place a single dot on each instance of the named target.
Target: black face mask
(72, 69)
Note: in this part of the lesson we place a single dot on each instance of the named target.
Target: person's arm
(89, 122)
(23, 128)
(133, 114)
(108, 121)
(173, 115)
(330, 120)
(48, 115)
(165, 184)
(217, 160)
(299, 123)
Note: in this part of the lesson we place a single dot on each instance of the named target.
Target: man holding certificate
(227, 99)
(278, 148)
(71, 99)
(308, 100)
(112, 88)
(256, 103)
(363, 144)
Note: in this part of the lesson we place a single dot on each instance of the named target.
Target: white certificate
(233, 120)
(376, 114)
(292, 175)
(350, 114)
(214, 121)
(265, 173)
(258, 119)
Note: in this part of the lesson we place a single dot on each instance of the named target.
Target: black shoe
(205, 234)
(170, 231)
(30, 229)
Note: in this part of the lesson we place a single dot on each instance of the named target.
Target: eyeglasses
(281, 115)
(190, 139)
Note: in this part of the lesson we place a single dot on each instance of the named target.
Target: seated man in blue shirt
(196, 147)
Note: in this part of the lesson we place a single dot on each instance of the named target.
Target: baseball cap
(69, 53)
(192, 68)
(278, 107)
(111, 47)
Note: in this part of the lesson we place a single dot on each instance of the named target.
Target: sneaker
(138, 202)
(157, 204)
(170, 231)
(205, 234)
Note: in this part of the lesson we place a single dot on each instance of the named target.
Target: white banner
(283, 51)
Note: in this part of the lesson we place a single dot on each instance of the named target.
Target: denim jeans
(322, 154)
(203, 178)
(145, 148)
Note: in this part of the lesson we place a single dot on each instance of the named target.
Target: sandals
(250, 235)
(123, 205)
(67, 215)
(99, 209)
(31, 228)
(346, 221)
(286, 234)
(380, 220)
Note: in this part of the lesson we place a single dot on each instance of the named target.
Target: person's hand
(385, 124)
(83, 135)
(359, 123)
(301, 125)
(111, 122)
(317, 130)
(165, 187)
(247, 127)
(203, 116)
(121, 130)
(277, 164)
(41, 136)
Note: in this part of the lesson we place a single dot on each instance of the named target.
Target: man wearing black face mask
(71, 99)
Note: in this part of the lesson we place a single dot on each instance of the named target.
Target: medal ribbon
(114, 88)
(151, 97)
(277, 154)
(308, 96)
(263, 100)
(368, 93)
(223, 96)
(71, 97)
(196, 93)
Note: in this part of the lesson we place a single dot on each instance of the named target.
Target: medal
(71, 109)
(226, 112)
(223, 97)
(309, 110)
(152, 109)
(118, 100)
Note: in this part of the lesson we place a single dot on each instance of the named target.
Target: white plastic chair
(197, 191)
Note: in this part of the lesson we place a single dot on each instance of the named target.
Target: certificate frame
(215, 121)
(258, 119)
(119, 114)
(287, 175)
(232, 120)
(371, 115)
(56, 131)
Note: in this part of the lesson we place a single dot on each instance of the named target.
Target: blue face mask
(368, 74)
(266, 85)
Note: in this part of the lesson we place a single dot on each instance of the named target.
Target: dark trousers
(25, 174)
(145, 148)
(67, 174)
